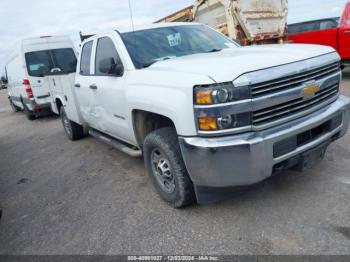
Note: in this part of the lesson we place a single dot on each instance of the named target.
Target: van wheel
(166, 168)
(73, 130)
(29, 114)
(14, 108)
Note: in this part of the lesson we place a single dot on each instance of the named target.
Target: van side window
(85, 59)
(106, 52)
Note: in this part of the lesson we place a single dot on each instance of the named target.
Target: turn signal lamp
(207, 123)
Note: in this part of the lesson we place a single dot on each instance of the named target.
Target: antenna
(133, 26)
(131, 16)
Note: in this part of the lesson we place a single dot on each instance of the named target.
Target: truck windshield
(149, 46)
(40, 63)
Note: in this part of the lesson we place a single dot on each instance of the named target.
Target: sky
(27, 18)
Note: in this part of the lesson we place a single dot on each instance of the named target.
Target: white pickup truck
(207, 115)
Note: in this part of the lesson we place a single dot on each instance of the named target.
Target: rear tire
(13, 106)
(166, 168)
(29, 114)
(73, 130)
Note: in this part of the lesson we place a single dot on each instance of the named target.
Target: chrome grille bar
(288, 82)
(277, 112)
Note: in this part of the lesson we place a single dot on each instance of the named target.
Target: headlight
(220, 93)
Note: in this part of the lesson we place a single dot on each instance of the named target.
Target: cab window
(313, 26)
(85, 59)
(106, 53)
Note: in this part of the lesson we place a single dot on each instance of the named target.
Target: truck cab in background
(26, 66)
(334, 32)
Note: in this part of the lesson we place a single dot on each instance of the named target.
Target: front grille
(281, 84)
(293, 107)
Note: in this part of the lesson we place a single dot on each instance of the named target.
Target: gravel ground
(62, 197)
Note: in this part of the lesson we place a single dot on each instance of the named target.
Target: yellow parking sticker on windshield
(174, 39)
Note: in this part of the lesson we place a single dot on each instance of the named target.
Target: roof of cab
(45, 39)
(87, 38)
(157, 25)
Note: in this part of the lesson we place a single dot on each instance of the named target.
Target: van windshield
(40, 63)
(149, 46)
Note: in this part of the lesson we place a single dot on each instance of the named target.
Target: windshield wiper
(158, 60)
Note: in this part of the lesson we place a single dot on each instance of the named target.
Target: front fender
(168, 94)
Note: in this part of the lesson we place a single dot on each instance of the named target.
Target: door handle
(347, 32)
(77, 85)
(93, 87)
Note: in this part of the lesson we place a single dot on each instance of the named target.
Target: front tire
(73, 130)
(166, 168)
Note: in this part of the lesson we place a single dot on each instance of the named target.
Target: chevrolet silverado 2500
(206, 114)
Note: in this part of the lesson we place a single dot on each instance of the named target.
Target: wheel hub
(163, 171)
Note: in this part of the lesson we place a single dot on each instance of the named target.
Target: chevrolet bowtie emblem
(310, 90)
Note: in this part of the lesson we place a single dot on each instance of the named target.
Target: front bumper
(246, 159)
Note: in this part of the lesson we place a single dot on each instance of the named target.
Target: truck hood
(229, 64)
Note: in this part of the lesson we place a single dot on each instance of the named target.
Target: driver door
(107, 84)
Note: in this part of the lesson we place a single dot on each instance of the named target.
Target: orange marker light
(204, 97)
(207, 123)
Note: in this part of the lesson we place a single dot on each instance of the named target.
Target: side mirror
(110, 67)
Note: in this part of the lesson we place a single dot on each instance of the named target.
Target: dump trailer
(247, 21)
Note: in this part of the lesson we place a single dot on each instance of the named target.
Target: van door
(344, 34)
(107, 86)
(41, 63)
(38, 64)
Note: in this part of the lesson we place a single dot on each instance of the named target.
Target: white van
(27, 65)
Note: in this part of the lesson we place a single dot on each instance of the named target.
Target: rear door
(82, 84)
(41, 63)
(344, 34)
(38, 63)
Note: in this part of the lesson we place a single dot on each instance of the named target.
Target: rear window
(65, 60)
(40, 63)
(313, 26)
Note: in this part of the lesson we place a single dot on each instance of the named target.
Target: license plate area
(292, 143)
(312, 157)
(303, 161)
